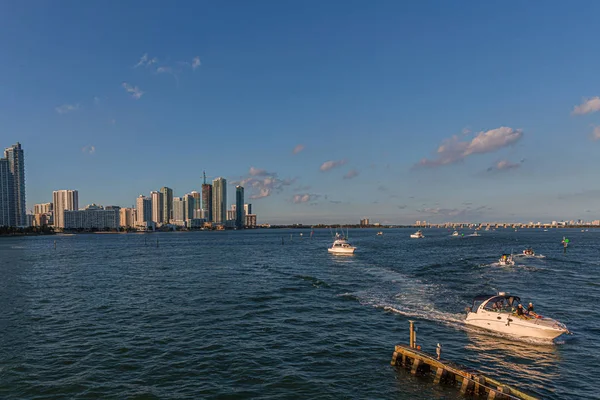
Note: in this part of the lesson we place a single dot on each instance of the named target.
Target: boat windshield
(505, 303)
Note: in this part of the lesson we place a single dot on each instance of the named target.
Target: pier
(469, 380)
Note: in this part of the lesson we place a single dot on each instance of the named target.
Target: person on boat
(530, 308)
(520, 311)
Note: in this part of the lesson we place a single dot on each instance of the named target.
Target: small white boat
(504, 313)
(506, 260)
(474, 234)
(455, 233)
(417, 235)
(529, 252)
(341, 245)
(379, 233)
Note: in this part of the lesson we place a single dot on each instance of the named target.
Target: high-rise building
(189, 204)
(231, 215)
(197, 204)
(143, 210)
(239, 207)
(219, 200)
(127, 217)
(64, 200)
(178, 211)
(7, 202)
(251, 220)
(43, 208)
(16, 163)
(157, 207)
(207, 202)
(92, 217)
(247, 209)
(167, 199)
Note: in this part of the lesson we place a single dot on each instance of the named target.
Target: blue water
(239, 315)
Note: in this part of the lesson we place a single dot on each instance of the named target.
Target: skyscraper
(189, 205)
(239, 207)
(197, 204)
(207, 206)
(16, 163)
(219, 200)
(178, 211)
(247, 209)
(167, 198)
(7, 202)
(157, 207)
(64, 200)
(143, 210)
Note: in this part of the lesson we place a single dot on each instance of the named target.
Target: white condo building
(64, 200)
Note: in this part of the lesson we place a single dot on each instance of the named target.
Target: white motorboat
(417, 235)
(379, 233)
(455, 233)
(528, 252)
(504, 313)
(474, 234)
(341, 245)
(506, 260)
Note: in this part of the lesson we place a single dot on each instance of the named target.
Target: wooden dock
(471, 382)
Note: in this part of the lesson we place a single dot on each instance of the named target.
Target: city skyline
(385, 111)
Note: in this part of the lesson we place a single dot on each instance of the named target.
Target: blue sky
(437, 111)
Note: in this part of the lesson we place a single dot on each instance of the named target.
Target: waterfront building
(231, 214)
(157, 207)
(127, 217)
(7, 203)
(239, 207)
(143, 210)
(16, 163)
(247, 209)
(178, 211)
(219, 200)
(91, 218)
(64, 200)
(43, 208)
(41, 220)
(364, 222)
(197, 205)
(167, 202)
(207, 205)
(189, 205)
(251, 220)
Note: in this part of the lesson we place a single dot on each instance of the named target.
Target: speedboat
(474, 234)
(379, 233)
(417, 235)
(499, 313)
(455, 233)
(529, 252)
(341, 245)
(506, 260)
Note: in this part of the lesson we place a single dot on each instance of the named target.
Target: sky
(324, 111)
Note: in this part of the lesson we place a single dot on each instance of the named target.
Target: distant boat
(341, 245)
(417, 235)
(379, 233)
(455, 233)
(506, 260)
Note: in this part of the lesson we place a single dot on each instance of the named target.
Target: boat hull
(512, 325)
(346, 250)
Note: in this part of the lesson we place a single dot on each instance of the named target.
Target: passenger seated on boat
(520, 311)
(530, 307)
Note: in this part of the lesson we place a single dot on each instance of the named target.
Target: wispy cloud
(88, 149)
(596, 133)
(304, 198)
(164, 70)
(452, 212)
(262, 183)
(454, 150)
(588, 106)
(327, 165)
(196, 62)
(298, 149)
(402, 206)
(67, 108)
(135, 91)
(146, 61)
(504, 165)
(351, 174)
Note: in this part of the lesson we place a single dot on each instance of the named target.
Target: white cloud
(327, 165)
(454, 150)
(67, 108)
(164, 70)
(135, 92)
(262, 183)
(195, 62)
(88, 149)
(504, 165)
(304, 198)
(145, 61)
(298, 149)
(596, 133)
(351, 174)
(588, 106)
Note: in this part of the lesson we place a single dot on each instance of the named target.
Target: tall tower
(239, 207)
(64, 200)
(167, 199)
(144, 210)
(16, 163)
(219, 200)
(157, 207)
(207, 200)
(7, 201)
